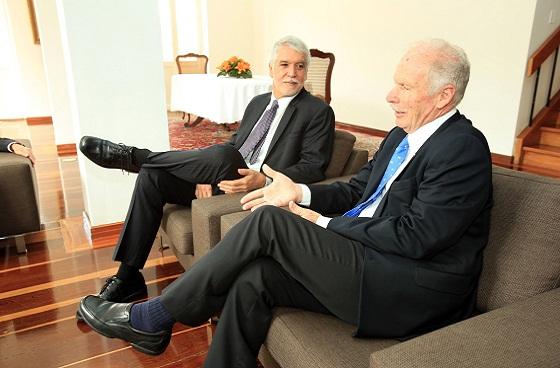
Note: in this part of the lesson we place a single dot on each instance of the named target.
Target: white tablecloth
(220, 99)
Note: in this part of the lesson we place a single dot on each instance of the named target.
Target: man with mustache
(289, 129)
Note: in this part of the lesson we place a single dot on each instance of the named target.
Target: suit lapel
(381, 164)
(250, 121)
(285, 121)
(417, 156)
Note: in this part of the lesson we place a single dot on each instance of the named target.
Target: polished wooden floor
(39, 291)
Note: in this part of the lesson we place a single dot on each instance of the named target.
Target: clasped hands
(250, 180)
(281, 192)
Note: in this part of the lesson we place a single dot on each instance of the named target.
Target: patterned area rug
(207, 133)
(202, 135)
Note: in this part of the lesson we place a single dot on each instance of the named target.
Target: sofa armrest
(19, 212)
(523, 334)
(206, 214)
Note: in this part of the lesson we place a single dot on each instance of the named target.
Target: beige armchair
(19, 209)
(192, 232)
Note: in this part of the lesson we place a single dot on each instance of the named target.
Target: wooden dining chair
(192, 63)
(319, 74)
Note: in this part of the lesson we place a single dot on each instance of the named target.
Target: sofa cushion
(297, 338)
(177, 224)
(522, 258)
(520, 335)
(343, 144)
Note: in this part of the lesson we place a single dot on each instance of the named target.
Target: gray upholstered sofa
(19, 208)
(192, 232)
(518, 297)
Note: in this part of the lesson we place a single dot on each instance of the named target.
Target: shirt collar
(417, 138)
(283, 102)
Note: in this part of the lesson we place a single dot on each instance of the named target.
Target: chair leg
(20, 244)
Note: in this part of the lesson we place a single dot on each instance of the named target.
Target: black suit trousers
(272, 258)
(170, 177)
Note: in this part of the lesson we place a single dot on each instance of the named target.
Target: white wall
(232, 30)
(29, 58)
(113, 59)
(12, 104)
(55, 71)
(369, 37)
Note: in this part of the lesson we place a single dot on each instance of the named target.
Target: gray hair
(449, 65)
(293, 42)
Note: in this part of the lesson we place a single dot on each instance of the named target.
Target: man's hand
(203, 191)
(306, 213)
(21, 150)
(250, 180)
(279, 193)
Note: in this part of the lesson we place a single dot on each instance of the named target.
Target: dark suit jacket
(302, 144)
(4, 143)
(424, 243)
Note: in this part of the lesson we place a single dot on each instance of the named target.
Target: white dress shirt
(415, 141)
(282, 105)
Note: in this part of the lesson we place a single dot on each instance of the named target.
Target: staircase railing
(530, 135)
(549, 46)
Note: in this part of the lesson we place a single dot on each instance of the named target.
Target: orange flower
(242, 66)
(226, 67)
(235, 67)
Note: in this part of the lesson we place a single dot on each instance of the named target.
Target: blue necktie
(253, 144)
(396, 161)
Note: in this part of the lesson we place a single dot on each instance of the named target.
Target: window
(184, 27)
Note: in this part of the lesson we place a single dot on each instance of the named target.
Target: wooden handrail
(543, 52)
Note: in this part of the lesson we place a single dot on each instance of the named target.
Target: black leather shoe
(113, 320)
(116, 290)
(108, 154)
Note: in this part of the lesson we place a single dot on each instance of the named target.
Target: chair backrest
(319, 74)
(192, 63)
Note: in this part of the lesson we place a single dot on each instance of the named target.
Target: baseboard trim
(502, 160)
(107, 234)
(66, 149)
(361, 129)
(39, 120)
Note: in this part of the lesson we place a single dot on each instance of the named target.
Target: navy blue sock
(151, 316)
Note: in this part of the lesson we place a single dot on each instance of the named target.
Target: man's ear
(446, 96)
(270, 70)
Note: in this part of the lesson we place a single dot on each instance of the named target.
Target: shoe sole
(99, 327)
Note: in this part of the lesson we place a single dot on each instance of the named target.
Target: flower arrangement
(235, 67)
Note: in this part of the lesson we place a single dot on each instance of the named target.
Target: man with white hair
(403, 259)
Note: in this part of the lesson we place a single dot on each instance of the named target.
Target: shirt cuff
(323, 221)
(305, 195)
(10, 146)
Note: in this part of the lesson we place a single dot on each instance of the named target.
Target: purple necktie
(394, 163)
(253, 144)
